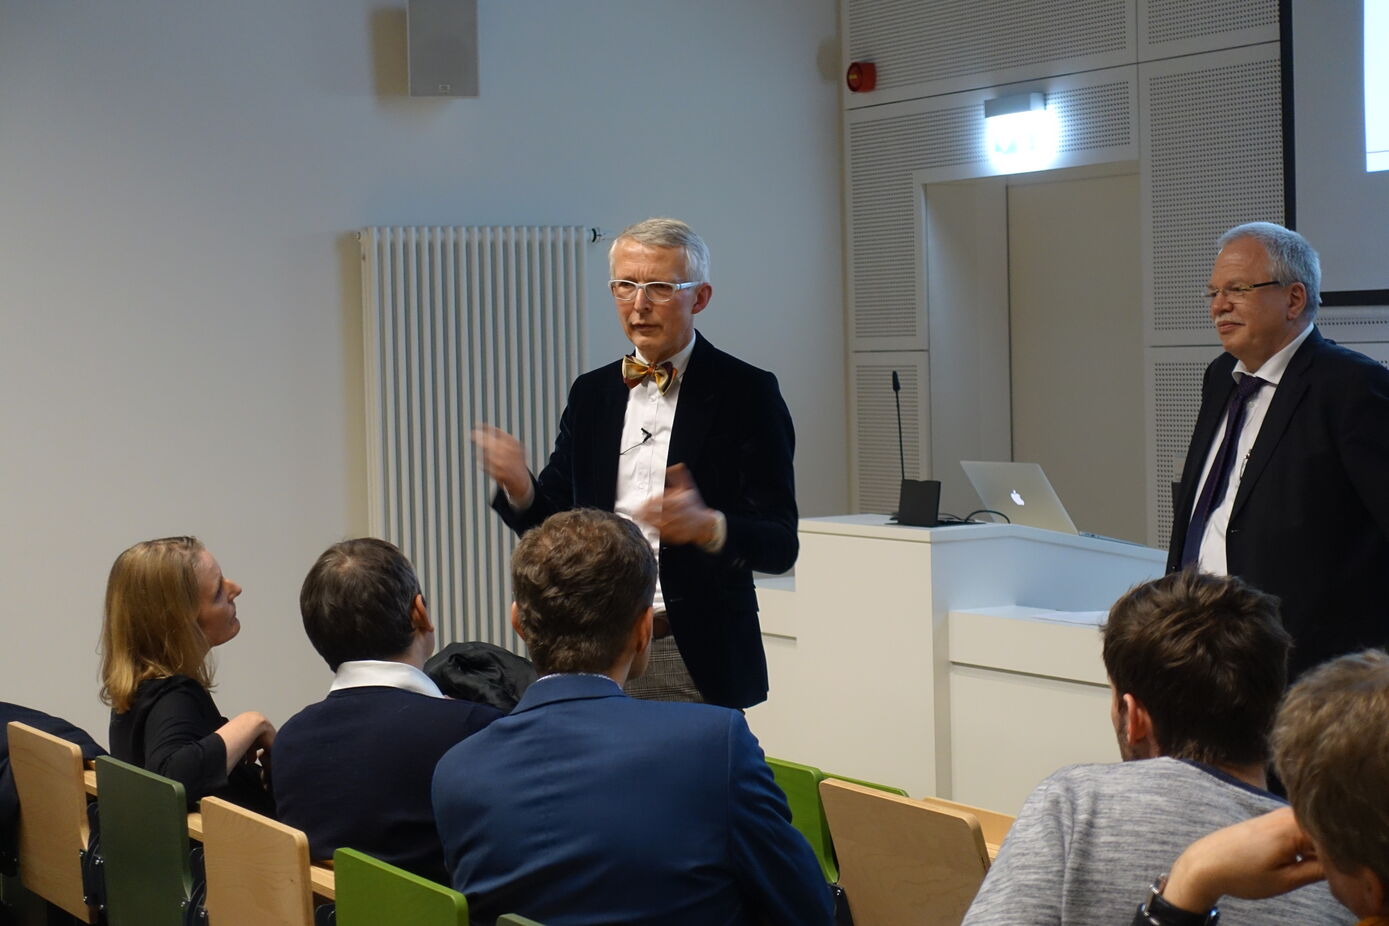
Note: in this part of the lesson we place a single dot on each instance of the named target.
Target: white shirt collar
(681, 359)
(1274, 367)
(379, 673)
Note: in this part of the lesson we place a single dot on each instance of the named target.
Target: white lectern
(957, 661)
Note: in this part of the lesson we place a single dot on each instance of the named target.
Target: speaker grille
(882, 156)
(1215, 159)
(1094, 117)
(1177, 400)
(1177, 20)
(879, 469)
(915, 42)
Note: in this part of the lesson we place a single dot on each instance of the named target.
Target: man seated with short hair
(586, 806)
(1197, 664)
(354, 769)
(1331, 748)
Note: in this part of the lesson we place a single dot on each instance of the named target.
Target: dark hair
(356, 601)
(1208, 657)
(1331, 746)
(581, 580)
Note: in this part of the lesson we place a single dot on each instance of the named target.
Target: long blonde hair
(150, 628)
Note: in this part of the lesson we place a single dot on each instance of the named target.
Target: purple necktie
(1219, 477)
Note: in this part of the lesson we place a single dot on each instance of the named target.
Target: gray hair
(669, 233)
(1291, 259)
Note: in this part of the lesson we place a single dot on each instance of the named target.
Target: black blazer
(355, 769)
(1310, 521)
(733, 431)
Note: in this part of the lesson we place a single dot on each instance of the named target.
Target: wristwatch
(1158, 912)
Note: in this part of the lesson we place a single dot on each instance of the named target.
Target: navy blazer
(733, 431)
(354, 770)
(586, 806)
(9, 797)
(1310, 521)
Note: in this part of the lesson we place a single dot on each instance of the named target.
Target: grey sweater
(1091, 838)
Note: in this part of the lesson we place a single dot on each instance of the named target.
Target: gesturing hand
(679, 512)
(504, 458)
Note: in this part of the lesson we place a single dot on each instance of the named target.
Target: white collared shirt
(380, 673)
(641, 460)
(1213, 556)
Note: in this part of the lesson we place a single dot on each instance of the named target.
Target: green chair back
(371, 892)
(515, 919)
(144, 844)
(900, 792)
(801, 783)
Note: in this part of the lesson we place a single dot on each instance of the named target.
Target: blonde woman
(167, 605)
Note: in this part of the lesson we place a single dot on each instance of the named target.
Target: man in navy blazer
(354, 769)
(1305, 515)
(690, 442)
(587, 806)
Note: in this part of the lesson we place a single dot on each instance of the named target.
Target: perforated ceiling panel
(879, 472)
(1179, 20)
(914, 42)
(883, 154)
(1213, 158)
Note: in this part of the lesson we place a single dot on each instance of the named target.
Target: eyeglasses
(1239, 292)
(657, 292)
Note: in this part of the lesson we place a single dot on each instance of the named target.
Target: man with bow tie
(693, 445)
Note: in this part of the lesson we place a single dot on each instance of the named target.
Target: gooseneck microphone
(918, 503)
(897, 397)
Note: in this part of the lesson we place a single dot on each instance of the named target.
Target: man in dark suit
(692, 444)
(354, 769)
(585, 806)
(1300, 506)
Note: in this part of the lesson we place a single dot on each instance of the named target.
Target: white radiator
(463, 325)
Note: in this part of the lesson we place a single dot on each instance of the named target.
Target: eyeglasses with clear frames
(656, 291)
(1238, 292)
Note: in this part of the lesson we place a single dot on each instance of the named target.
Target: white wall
(179, 299)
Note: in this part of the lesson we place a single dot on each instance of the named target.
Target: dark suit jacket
(586, 806)
(9, 797)
(1310, 521)
(733, 431)
(354, 770)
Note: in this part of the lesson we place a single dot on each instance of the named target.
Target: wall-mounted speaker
(441, 43)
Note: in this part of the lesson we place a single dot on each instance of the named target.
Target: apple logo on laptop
(1017, 498)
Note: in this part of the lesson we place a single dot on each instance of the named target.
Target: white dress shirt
(644, 448)
(380, 673)
(1212, 557)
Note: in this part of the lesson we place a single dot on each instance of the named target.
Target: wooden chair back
(993, 824)
(257, 868)
(53, 828)
(903, 861)
(371, 892)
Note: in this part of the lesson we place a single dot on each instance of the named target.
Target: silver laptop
(1022, 492)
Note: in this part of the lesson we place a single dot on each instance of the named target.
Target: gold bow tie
(634, 371)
